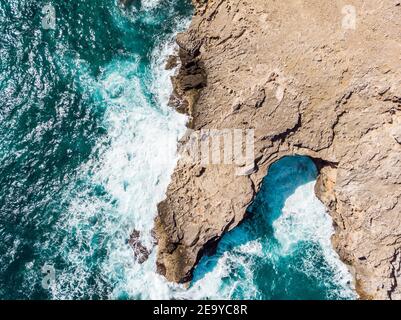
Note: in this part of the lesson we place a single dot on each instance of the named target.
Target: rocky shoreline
(308, 81)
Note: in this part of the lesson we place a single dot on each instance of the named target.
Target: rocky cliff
(310, 77)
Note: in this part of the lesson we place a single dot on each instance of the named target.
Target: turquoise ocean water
(87, 146)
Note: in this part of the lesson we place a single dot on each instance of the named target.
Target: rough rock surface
(141, 253)
(308, 83)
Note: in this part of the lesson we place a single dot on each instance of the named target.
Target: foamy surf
(123, 183)
(304, 218)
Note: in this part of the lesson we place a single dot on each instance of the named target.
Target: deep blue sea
(87, 147)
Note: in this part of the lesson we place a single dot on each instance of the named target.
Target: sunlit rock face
(310, 78)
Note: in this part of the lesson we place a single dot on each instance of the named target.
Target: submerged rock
(140, 251)
(172, 62)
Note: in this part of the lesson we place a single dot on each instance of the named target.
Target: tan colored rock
(297, 73)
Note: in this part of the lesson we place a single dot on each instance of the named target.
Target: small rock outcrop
(141, 253)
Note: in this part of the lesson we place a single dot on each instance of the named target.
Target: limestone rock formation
(310, 77)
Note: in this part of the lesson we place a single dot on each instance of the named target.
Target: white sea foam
(150, 4)
(136, 172)
(304, 218)
(132, 172)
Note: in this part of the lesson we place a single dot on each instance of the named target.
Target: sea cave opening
(283, 250)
